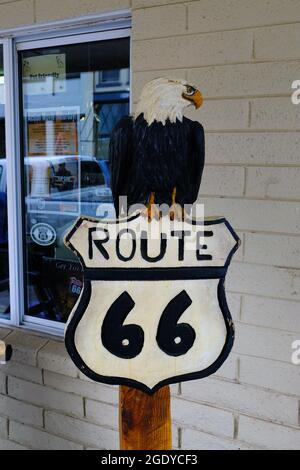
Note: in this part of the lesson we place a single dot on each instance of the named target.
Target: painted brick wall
(244, 55)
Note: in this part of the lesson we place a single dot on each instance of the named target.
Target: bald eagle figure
(157, 155)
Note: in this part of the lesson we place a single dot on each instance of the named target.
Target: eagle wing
(196, 159)
(120, 159)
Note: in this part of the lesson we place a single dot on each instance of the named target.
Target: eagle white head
(165, 98)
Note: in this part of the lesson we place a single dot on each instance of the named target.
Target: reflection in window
(72, 97)
(4, 273)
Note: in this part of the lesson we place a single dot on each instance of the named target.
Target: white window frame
(86, 29)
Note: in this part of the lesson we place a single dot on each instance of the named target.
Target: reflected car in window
(60, 189)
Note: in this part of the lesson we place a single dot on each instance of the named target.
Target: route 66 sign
(152, 310)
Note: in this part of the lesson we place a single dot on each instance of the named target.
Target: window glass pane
(4, 274)
(72, 97)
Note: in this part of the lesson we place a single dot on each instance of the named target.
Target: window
(109, 77)
(69, 93)
(4, 269)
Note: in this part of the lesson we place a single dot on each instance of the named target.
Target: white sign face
(153, 309)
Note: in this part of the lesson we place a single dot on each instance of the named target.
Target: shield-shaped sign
(152, 310)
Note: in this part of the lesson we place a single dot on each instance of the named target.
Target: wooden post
(145, 420)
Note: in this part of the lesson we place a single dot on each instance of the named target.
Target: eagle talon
(176, 212)
(151, 212)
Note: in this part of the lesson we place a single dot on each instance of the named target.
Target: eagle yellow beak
(197, 99)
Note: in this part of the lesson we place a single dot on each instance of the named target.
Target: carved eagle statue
(157, 155)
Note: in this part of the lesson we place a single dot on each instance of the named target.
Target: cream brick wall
(244, 55)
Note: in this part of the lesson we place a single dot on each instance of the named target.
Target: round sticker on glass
(43, 234)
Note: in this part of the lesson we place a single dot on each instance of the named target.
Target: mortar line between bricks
(247, 29)
(240, 443)
(29, 380)
(190, 2)
(234, 412)
(249, 113)
(45, 431)
(16, 376)
(254, 165)
(248, 130)
(184, 426)
(268, 232)
(255, 263)
(220, 378)
(253, 45)
(245, 181)
(245, 97)
(146, 7)
(38, 350)
(53, 387)
(34, 11)
(239, 385)
(84, 407)
(265, 359)
(41, 405)
(19, 401)
(229, 439)
(27, 446)
(247, 61)
(82, 419)
(241, 306)
(248, 198)
(271, 421)
(179, 437)
(238, 365)
(243, 250)
(91, 421)
(251, 385)
(261, 387)
(251, 96)
(215, 65)
(16, 1)
(281, 330)
(214, 406)
(44, 345)
(186, 17)
(103, 426)
(9, 330)
(232, 291)
(235, 426)
(113, 405)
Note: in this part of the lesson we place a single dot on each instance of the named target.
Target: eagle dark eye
(190, 90)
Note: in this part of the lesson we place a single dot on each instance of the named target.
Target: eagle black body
(156, 158)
